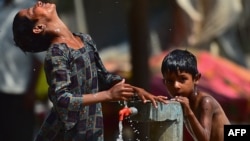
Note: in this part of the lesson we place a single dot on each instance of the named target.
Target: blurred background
(133, 36)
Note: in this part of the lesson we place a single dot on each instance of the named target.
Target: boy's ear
(197, 77)
(39, 28)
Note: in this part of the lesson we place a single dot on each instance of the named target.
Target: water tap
(126, 111)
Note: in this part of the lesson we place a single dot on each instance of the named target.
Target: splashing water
(126, 112)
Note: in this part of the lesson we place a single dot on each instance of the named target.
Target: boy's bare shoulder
(218, 111)
(205, 97)
(205, 100)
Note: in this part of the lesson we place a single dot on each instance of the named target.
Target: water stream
(120, 132)
(120, 138)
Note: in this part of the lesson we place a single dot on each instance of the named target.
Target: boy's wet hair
(24, 37)
(179, 60)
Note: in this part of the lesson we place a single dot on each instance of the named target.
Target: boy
(72, 66)
(204, 117)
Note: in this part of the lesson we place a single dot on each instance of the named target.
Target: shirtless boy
(204, 117)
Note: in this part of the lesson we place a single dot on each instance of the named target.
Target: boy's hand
(144, 95)
(121, 91)
(185, 104)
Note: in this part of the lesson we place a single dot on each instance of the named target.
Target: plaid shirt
(70, 74)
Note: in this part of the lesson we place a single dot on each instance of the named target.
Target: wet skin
(202, 111)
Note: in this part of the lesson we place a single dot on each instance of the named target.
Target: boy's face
(40, 11)
(180, 83)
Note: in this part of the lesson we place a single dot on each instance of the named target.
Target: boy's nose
(177, 84)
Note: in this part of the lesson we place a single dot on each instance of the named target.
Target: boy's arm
(201, 127)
